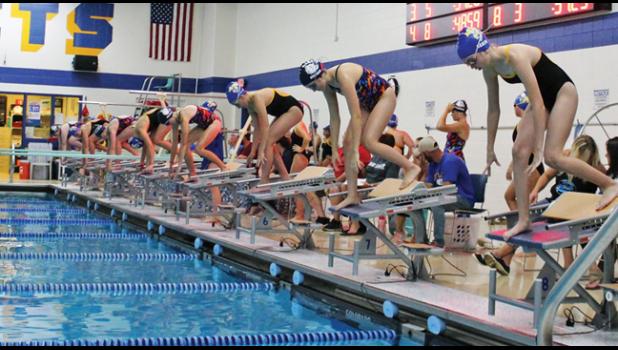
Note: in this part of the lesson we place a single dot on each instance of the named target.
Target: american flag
(171, 27)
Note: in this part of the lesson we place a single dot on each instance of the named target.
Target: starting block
(388, 200)
(122, 181)
(159, 188)
(582, 222)
(197, 197)
(312, 179)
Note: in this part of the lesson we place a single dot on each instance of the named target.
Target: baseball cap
(427, 144)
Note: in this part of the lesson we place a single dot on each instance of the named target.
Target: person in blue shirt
(446, 169)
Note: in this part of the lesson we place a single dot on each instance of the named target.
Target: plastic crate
(462, 229)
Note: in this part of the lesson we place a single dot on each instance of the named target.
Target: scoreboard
(428, 23)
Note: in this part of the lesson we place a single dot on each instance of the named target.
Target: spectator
(446, 169)
(327, 150)
(457, 132)
(402, 138)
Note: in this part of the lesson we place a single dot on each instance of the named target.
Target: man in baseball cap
(446, 169)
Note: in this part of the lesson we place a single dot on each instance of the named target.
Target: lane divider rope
(248, 339)
(73, 235)
(43, 210)
(97, 256)
(134, 288)
(16, 221)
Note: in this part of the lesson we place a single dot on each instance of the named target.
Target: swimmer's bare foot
(192, 179)
(520, 227)
(609, 194)
(409, 177)
(350, 200)
(149, 170)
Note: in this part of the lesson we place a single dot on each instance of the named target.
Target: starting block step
(422, 249)
(613, 286)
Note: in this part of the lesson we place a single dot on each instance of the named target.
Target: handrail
(595, 115)
(599, 242)
(69, 154)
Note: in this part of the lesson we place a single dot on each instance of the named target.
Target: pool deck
(510, 324)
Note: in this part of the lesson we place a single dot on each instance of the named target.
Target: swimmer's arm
(261, 117)
(355, 127)
(493, 106)
(184, 144)
(174, 150)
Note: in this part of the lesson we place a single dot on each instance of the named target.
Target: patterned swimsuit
(455, 145)
(203, 118)
(369, 88)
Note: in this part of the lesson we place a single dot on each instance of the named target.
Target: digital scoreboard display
(436, 22)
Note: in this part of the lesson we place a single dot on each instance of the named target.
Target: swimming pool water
(40, 316)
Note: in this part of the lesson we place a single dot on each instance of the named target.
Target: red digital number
(412, 32)
(562, 8)
(519, 12)
(413, 12)
(427, 35)
(497, 17)
(428, 10)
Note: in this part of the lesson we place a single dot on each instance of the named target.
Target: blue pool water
(66, 316)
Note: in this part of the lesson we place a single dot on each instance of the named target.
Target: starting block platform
(389, 199)
(311, 179)
(572, 220)
(197, 197)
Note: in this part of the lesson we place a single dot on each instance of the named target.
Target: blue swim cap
(310, 70)
(211, 106)
(394, 121)
(522, 101)
(471, 41)
(233, 91)
(136, 142)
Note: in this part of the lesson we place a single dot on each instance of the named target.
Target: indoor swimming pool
(73, 277)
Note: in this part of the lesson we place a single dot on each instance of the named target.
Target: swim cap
(522, 101)
(234, 91)
(460, 106)
(136, 142)
(98, 130)
(471, 41)
(394, 121)
(310, 70)
(54, 129)
(211, 106)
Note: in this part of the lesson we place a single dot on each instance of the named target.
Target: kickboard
(390, 187)
(311, 172)
(577, 205)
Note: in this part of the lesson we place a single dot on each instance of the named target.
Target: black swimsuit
(550, 78)
(297, 140)
(281, 104)
(156, 118)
